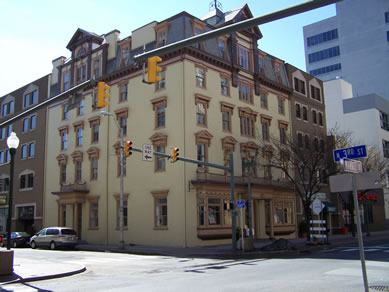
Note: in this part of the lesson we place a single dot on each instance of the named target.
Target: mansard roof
(82, 36)
(217, 18)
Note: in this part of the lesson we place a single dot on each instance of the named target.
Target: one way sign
(147, 152)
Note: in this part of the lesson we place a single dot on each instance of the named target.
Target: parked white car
(54, 237)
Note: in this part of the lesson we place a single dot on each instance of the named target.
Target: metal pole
(359, 233)
(249, 197)
(232, 185)
(121, 219)
(121, 207)
(12, 152)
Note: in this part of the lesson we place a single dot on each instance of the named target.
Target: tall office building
(353, 45)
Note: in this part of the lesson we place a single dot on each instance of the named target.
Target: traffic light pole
(229, 168)
(121, 196)
(121, 203)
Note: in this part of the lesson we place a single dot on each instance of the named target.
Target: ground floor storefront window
(214, 221)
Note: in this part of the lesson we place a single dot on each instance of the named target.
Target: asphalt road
(336, 269)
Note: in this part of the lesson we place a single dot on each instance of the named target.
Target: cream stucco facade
(167, 204)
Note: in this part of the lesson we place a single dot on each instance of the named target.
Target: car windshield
(68, 232)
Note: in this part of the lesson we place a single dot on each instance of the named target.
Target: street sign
(147, 152)
(240, 204)
(350, 153)
(321, 196)
(317, 206)
(3, 199)
(354, 166)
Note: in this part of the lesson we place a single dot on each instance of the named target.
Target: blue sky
(33, 33)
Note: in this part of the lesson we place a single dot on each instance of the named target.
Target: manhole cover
(380, 288)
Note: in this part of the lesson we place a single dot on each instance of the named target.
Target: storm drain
(379, 288)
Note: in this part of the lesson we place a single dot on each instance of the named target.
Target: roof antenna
(215, 5)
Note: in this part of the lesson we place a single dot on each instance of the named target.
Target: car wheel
(14, 245)
(52, 245)
(33, 245)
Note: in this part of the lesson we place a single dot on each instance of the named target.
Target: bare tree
(375, 162)
(307, 165)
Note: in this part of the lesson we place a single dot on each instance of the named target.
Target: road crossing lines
(369, 249)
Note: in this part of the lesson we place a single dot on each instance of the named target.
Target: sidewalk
(27, 270)
(226, 251)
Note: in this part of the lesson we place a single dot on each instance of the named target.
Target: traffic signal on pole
(153, 69)
(128, 148)
(175, 154)
(102, 94)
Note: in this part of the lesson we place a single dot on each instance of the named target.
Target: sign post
(355, 167)
(240, 204)
(359, 231)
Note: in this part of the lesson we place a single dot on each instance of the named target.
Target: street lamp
(12, 143)
(121, 205)
(248, 161)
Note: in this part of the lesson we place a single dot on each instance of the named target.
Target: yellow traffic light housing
(175, 155)
(153, 69)
(128, 148)
(102, 94)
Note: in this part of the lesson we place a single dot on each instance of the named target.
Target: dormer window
(81, 72)
(66, 80)
(277, 71)
(299, 85)
(81, 52)
(30, 98)
(244, 58)
(7, 106)
(223, 48)
(197, 31)
(125, 46)
(161, 31)
(161, 39)
(125, 55)
(198, 28)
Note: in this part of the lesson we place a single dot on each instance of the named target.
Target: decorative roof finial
(215, 5)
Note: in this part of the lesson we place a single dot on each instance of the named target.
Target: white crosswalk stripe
(383, 249)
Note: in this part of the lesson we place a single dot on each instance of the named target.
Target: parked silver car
(54, 237)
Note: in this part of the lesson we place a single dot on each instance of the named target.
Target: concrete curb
(45, 277)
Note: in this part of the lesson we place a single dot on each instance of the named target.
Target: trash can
(7, 262)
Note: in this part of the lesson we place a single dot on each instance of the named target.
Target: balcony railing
(239, 180)
(75, 187)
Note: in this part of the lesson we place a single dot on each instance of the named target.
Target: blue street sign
(350, 153)
(240, 204)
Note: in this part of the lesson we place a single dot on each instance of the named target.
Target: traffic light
(175, 155)
(228, 205)
(128, 148)
(102, 94)
(153, 69)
